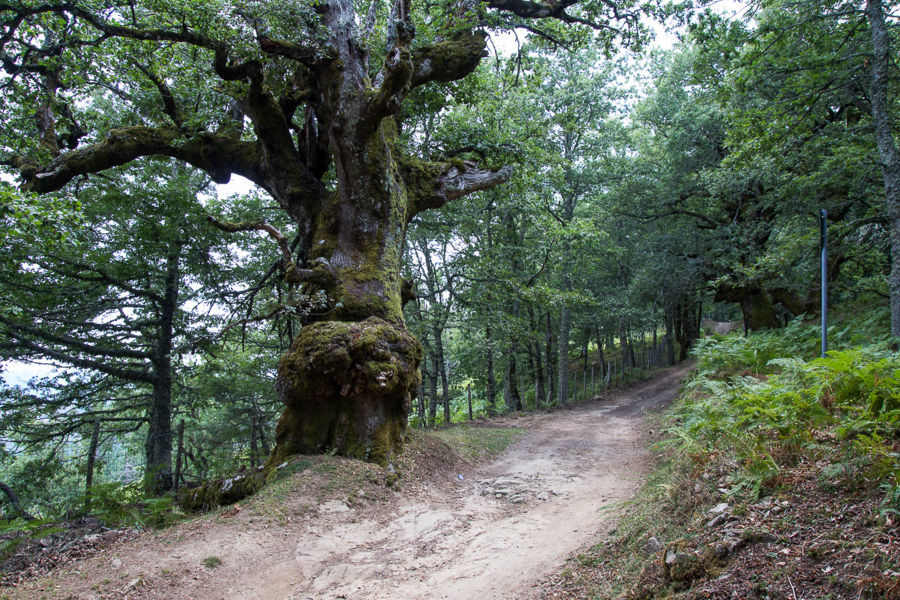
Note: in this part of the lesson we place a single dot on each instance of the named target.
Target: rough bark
(158, 444)
(756, 305)
(887, 149)
(491, 383)
(562, 368)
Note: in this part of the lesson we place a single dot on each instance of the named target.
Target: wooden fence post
(469, 394)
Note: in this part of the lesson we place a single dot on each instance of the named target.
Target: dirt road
(492, 534)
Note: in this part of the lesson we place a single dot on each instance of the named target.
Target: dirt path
(490, 535)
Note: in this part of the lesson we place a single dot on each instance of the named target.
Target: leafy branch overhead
(271, 75)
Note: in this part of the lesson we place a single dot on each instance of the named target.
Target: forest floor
(452, 526)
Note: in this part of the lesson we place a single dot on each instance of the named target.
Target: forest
(438, 212)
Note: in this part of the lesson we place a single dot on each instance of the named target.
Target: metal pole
(823, 233)
(469, 394)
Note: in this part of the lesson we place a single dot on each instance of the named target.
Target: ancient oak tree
(301, 98)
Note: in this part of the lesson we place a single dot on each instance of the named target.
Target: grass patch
(475, 443)
(212, 562)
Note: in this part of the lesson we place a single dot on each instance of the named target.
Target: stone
(765, 503)
(717, 520)
(719, 508)
(653, 546)
(334, 506)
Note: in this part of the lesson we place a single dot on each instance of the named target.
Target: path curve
(492, 535)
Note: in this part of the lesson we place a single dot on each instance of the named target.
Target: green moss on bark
(347, 387)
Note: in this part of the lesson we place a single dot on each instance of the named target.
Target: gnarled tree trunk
(347, 383)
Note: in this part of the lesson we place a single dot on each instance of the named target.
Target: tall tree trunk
(491, 383)
(179, 456)
(511, 391)
(438, 318)
(632, 359)
(423, 420)
(585, 344)
(670, 335)
(158, 445)
(549, 345)
(600, 354)
(562, 368)
(890, 160)
(440, 366)
(92, 456)
(348, 383)
(254, 446)
(432, 389)
(539, 389)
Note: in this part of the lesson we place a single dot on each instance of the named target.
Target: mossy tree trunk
(887, 148)
(347, 382)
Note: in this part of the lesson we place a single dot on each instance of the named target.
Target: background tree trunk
(890, 161)
(562, 368)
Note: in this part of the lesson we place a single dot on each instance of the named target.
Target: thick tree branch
(393, 84)
(218, 155)
(433, 184)
(321, 273)
(168, 99)
(14, 501)
(449, 60)
(306, 55)
(258, 225)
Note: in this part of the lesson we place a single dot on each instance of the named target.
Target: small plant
(212, 562)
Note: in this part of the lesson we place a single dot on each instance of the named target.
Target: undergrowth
(763, 422)
(766, 403)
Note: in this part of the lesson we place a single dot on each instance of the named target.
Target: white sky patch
(19, 373)
(238, 186)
